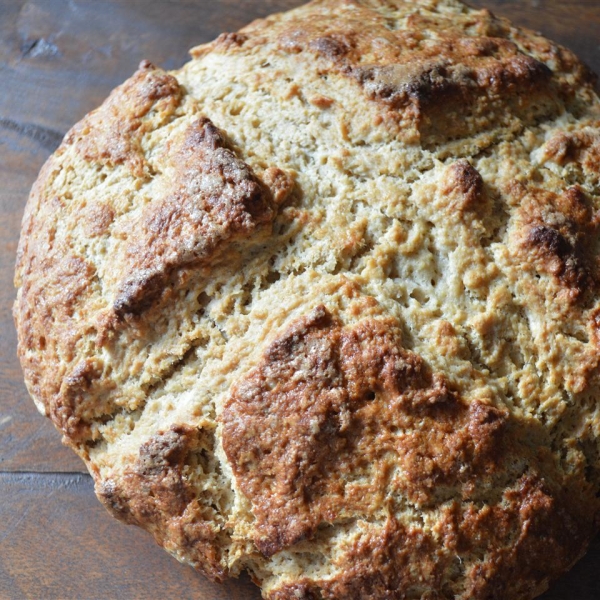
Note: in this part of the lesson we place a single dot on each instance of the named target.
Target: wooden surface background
(58, 60)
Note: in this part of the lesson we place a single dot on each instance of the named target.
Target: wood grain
(56, 541)
(58, 60)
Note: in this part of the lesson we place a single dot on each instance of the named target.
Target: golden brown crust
(215, 198)
(208, 199)
(557, 232)
(427, 81)
(347, 417)
(322, 304)
(112, 135)
(520, 540)
(154, 493)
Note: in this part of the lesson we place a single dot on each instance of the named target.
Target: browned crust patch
(156, 494)
(554, 233)
(336, 420)
(463, 187)
(216, 199)
(503, 550)
(445, 86)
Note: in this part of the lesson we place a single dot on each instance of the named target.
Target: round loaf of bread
(323, 305)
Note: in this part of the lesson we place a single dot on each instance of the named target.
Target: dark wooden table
(58, 60)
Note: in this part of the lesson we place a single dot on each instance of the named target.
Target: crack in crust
(209, 199)
(216, 200)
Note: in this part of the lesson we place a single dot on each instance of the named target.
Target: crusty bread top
(323, 304)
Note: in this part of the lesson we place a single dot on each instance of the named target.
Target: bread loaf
(322, 305)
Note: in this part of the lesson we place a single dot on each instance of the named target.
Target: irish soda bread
(323, 304)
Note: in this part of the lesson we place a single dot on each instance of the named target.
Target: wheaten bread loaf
(323, 304)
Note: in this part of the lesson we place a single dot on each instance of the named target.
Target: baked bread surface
(323, 305)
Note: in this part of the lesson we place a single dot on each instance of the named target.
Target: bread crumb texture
(323, 304)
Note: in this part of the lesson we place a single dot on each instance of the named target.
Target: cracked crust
(322, 304)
